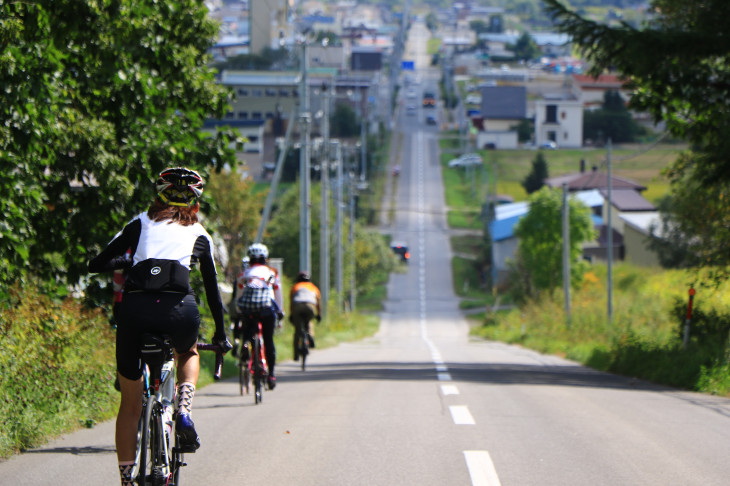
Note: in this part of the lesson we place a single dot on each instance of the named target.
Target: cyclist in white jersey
(165, 242)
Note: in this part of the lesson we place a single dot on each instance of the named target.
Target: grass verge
(644, 337)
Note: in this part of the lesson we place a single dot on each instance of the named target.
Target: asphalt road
(422, 404)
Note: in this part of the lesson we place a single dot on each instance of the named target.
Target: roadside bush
(644, 338)
(57, 369)
(706, 326)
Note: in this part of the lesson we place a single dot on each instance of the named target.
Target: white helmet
(258, 251)
(245, 262)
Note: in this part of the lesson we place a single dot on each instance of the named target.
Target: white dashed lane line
(479, 463)
(461, 415)
(481, 468)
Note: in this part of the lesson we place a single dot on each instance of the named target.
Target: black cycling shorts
(173, 314)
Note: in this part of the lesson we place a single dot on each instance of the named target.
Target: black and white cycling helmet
(178, 186)
(258, 252)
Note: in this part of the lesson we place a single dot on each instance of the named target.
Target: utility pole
(305, 223)
(351, 239)
(609, 227)
(339, 201)
(324, 244)
(566, 253)
(275, 180)
(363, 136)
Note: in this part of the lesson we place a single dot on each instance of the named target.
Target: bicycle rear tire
(145, 445)
(303, 347)
(257, 371)
(244, 377)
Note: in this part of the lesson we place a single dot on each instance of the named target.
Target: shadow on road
(501, 374)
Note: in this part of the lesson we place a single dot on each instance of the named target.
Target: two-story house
(559, 119)
(502, 108)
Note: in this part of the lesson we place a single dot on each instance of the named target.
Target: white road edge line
(481, 468)
(461, 415)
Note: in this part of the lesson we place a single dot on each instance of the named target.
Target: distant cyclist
(260, 300)
(165, 241)
(304, 305)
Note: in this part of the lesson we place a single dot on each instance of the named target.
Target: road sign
(408, 65)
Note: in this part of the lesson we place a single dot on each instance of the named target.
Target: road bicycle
(302, 337)
(255, 369)
(159, 456)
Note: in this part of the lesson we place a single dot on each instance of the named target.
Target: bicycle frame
(158, 461)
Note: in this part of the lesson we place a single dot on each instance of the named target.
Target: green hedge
(57, 370)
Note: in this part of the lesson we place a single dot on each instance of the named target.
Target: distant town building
(268, 23)
(559, 119)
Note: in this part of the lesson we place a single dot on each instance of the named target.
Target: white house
(559, 118)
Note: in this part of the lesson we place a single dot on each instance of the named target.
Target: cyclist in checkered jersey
(260, 275)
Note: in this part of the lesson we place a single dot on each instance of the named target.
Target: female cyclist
(165, 241)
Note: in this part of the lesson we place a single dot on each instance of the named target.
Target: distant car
(473, 99)
(410, 109)
(431, 120)
(465, 160)
(550, 145)
(411, 93)
(401, 249)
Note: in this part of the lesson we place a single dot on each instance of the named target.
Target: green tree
(525, 48)
(235, 213)
(344, 122)
(612, 121)
(536, 178)
(258, 62)
(479, 26)
(679, 67)
(525, 129)
(540, 246)
(372, 255)
(432, 22)
(97, 98)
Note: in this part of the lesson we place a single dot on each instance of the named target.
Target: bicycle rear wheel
(258, 371)
(303, 346)
(143, 457)
(150, 452)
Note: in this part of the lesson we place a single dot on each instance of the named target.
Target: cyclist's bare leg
(130, 409)
(188, 366)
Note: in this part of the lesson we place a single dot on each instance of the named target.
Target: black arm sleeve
(204, 254)
(112, 257)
